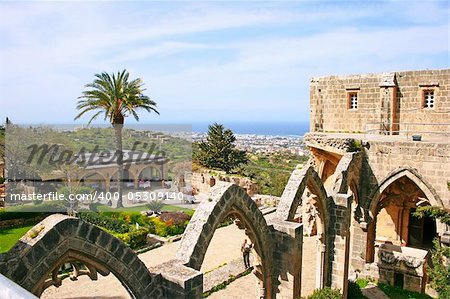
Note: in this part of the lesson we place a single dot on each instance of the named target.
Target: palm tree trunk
(119, 153)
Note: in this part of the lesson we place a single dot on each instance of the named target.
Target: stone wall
(202, 182)
(377, 164)
(385, 97)
(34, 261)
(431, 160)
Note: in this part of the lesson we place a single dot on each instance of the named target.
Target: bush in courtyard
(354, 290)
(439, 270)
(136, 238)
(168, 227)
(156, 205)
(105, 221)
(66, 191)
(176, 218)
(160, 227)
(325, 293)
(133, 217)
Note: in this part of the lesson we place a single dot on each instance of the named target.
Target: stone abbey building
(380, 147)
(384, 140)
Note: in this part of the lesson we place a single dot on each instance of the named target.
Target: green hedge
(4, 215)
(105, 221)
(135, 238)
(165, 229)
(354, 289)
(326, 293)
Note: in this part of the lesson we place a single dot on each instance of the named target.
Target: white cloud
(239, 56)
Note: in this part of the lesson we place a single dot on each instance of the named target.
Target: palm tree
(115, 97)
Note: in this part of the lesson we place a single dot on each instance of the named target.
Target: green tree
(116, 97)
(439, 272)
(219, 150)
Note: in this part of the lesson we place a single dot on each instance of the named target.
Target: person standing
(246, 248)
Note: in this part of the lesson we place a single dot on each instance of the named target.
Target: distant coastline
(259, 128)
(294, 129)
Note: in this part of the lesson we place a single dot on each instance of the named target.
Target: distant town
(259, 144)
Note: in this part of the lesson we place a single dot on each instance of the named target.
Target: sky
(235, 61)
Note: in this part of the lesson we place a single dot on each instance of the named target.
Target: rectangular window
(352, 100)
(428, 98)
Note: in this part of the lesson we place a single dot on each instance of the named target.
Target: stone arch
(152, 169)
(131, 174)
(292, 195)
(226, 199)
(347, 173)
(415, 177)
(292, 198)
(376, 197)
(33, 262)
(101, 182)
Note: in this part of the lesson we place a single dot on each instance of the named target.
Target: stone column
(180, 281)
(320, 264)
(339, 241)
(287, 259)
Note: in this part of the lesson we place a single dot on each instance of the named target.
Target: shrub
(75, 190)
(2, 180)
(362, 283)
(5, 215)
(439, 272)
(174, 218)
(135, 238)
(326, 293)
(168, 228)
(354, 146)
(156, 205)
(354, 289)
(105, 221)
(396, 292)
(160, 227)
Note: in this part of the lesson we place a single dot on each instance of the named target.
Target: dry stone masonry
(358, 193)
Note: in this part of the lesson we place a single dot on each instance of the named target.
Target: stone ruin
(358, 194)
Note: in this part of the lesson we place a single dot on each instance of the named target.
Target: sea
(259, 128)
(295, 129)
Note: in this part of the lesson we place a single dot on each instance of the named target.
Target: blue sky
(208, 61)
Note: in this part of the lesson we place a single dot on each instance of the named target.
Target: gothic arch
(292, 195)
(292, 198)
(90, 173)
(376, 196)
(411, 174)
(347, 173)
(84, 176)
(132, 176)
(34, 261)
(226, 199)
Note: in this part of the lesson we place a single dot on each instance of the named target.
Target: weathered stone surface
(63, 238)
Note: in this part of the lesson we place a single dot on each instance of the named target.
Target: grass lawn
(397, 293)
(14, 212)
(10, 236)
(168, 208)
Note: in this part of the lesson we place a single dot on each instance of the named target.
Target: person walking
(246, 248)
